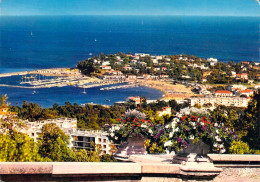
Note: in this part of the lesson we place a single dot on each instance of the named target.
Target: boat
(90, 54)
(34, 92)
(84, 92)
(108, 100)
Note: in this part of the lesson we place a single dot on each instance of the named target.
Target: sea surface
(34, 42)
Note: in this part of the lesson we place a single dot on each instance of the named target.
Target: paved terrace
(157, 168)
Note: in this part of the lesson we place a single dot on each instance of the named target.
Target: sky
(130, 7)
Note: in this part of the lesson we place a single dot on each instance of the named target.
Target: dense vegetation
(91, 116)
(52, 144)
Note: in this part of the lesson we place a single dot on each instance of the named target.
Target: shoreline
(170, 91)
(177, 92)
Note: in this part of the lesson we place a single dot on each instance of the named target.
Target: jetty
(119, 86)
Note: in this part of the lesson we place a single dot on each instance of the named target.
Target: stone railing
(142, 168)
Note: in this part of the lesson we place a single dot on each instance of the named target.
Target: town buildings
(217, 100)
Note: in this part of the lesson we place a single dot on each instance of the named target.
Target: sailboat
(95, 40)
(31, 34)
(84, 92)
(34, 91)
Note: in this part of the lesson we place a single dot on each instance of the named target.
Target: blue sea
(33, 42)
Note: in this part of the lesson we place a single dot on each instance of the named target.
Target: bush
(107, 158)
(239, 147)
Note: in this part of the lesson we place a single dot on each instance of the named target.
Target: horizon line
(130, 15)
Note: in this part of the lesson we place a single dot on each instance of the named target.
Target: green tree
(18, 147)
(252, 118)
(3, 100)
(53, 144)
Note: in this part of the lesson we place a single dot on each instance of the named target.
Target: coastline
(177, 92)
(170, 91)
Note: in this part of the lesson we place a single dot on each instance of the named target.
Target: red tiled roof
(223, 92)
(246, 91)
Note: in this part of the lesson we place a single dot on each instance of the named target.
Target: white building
(226, 101)
(235, 87)
(33, 129)
(87, 139)
(223, 93)
(247, 92)
(212, 61)
(79, 139)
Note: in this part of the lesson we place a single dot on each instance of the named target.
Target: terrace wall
(151, 168)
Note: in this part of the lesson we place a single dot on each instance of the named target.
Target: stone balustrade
(142, 168)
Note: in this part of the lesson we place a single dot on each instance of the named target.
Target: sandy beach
(177, 92)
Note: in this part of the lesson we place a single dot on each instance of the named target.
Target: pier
(119, 86)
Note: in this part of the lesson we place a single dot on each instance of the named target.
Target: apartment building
(226, 101)
(79, 139)
(33, 129)
(88, 139)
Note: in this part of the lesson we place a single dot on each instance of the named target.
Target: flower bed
(134, 123)
(184, 129)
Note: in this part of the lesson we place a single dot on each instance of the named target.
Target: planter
(194, 159)
(199, 148)
(195, 152)
(133, 146)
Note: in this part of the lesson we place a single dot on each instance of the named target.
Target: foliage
(239, 147)
(88, 67)
(86, 156)
(18, 147)
(232, 118)
(252, 117)
(107, 158)
(3, 100)
(154, 148)
(89, 116)
(53, 144)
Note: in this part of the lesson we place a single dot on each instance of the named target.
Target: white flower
(167, 126)
(221, 146)
(112, 134)
(168, 143)
(222, 151)
(150, 131)
(217, 139)
(217, 131)
(171, 134)
(144, 126)
(193, 124)
(116, 138)
(215, 145)
(191, 137)
(216, 124)
(116, 128)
